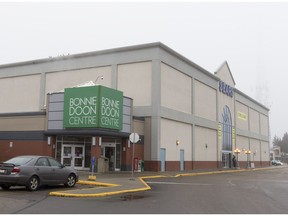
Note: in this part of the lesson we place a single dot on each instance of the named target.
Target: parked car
(276, 162)
(35, 171)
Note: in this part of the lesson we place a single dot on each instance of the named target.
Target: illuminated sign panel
(242, 116)
(93, 107)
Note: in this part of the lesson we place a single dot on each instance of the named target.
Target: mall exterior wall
(178, 107)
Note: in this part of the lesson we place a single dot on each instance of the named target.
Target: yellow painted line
(147, 187)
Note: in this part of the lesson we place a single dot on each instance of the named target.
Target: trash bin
(142, 166)
(103, 164)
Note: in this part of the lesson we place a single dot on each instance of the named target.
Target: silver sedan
(35, 171)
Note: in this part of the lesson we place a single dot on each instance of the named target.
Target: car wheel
(33, 183)
(71, 181)
(5, 187)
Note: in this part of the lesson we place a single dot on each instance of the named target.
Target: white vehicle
(276, 162)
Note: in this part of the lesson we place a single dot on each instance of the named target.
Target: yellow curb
(97, 183)
(147, 187)
(91, 178)
(65, 194)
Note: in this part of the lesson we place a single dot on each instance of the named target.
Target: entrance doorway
(110, 154)
(112, 151)
(226, 159)
(73, 156)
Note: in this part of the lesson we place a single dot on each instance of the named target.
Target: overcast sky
(251, 37)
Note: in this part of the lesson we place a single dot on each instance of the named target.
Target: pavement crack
(32, 204)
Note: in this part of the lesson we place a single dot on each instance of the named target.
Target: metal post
(133, 156)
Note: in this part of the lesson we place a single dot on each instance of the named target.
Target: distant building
(276, 152)
(187, 117)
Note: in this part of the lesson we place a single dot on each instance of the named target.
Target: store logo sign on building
(226, 89)
(93, 107)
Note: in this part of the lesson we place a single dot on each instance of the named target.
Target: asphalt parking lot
(262, 191)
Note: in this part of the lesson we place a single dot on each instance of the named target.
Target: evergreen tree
(284, 143)
(276, 141)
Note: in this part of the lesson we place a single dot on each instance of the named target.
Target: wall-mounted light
(177, 142)
(49, 140)
(10, 144)
(100, 141)
(93, 141)
(206, 146)
(101, 77)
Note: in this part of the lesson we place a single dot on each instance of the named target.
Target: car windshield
(19, 160)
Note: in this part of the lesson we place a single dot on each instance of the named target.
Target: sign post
(134, 138)
(92, 177)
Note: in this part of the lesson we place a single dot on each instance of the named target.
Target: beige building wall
(242, 143)
(171, 131)
(20, 94)
(254, 121)
(225, 75)
(203, 137)
(205, 101)
(23, 123)
(242, 115)
(255, 150)
(176, 89)
(265, 151)
(58, 81)
(264, 125)
(135, 81)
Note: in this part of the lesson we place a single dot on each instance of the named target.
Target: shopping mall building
(81, 108)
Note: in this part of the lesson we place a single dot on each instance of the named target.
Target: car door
(43, 170)
(59, 172)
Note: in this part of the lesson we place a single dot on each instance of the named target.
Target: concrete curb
(146, 186)
(65, 194)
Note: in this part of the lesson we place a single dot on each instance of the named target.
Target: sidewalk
(113, 183)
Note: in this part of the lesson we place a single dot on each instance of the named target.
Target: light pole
(237, 151)
(248, 152)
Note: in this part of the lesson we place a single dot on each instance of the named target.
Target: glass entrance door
(66, 155)
(226, 160)
(73, 156)
(110, 154)
(78, 157)
(113, 153)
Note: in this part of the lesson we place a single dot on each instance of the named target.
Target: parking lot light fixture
(237, 151)
(248, 152)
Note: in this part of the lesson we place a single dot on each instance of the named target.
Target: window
(54, 163)
(42, 162)
(226, 129)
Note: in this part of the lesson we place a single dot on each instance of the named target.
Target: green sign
(93, 107)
